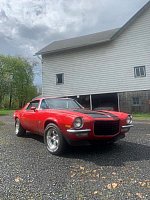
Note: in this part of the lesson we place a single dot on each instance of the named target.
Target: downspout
(118, 102)
(91, 107)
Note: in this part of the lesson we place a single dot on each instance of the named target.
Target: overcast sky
(26, 26)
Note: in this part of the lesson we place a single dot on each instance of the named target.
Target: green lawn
(141, 116)
(6, 112)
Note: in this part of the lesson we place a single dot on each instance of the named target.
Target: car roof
(41, 98)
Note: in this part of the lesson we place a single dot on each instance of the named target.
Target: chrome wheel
(17, 127)
(53, 140)
(19, 130)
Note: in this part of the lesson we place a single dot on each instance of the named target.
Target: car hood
(89, 113)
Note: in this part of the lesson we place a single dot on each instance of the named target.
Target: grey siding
(126, 101)
(106, 68)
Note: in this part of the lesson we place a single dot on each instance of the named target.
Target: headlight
(129, 119)
(78, 122)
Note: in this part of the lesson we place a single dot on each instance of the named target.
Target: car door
(30, 116)
(42, 115)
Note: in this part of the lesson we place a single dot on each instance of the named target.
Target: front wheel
(54, 140)
(19, 130)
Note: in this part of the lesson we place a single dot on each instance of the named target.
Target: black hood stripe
(95, 114)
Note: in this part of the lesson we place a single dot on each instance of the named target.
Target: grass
(6, 112)
(141, 116)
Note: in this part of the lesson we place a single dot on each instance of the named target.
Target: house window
(139, 71)
(59, 79)
(136, 101)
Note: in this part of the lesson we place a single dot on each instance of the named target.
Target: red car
(64, 121)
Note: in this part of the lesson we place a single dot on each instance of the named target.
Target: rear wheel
(54, 140)
(19, 130)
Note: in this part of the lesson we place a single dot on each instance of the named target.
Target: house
(106, 69)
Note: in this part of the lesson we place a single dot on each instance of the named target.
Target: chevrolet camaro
(63, 121)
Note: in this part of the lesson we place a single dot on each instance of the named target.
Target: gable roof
(77, 42)
(92, 39)
(132, 19)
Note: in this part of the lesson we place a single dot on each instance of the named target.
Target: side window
(136, 101)
(33, 104)
(44, 105)
(139, 71)
(59, 79)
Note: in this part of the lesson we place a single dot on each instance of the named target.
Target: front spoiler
(94, 142)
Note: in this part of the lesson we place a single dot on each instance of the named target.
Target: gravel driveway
(28, 171)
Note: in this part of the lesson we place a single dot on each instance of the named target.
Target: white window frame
(138, 71)
(57, 79)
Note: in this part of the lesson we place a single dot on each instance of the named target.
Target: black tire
(54, 140)
(19, 130)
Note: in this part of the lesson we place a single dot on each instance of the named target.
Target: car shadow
(105, 155)
(39, 138)
(111, 155)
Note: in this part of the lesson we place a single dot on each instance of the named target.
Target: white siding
(102, 69)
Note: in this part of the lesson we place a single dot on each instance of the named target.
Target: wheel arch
(16, 117)
(49, 121)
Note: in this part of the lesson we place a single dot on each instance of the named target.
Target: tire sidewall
(62, 142)
(21, 130)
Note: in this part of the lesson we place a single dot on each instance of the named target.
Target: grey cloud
(3, 15)
(9, 46)
(55, 20)
(38, 10)
(98, 15)
(32, 33)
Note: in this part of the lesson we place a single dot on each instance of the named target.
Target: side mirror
(33, 108)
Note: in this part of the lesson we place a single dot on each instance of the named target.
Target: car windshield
(62, 104)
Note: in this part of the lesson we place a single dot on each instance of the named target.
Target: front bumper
(126, 128)
(80, 133)
(85, 132)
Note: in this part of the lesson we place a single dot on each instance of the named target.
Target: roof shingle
(77, 42)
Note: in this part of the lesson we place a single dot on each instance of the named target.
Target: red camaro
(64, 121)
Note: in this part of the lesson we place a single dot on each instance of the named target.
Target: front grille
(106, 127)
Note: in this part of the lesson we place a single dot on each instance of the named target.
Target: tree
(16, 80)
(3, 79)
